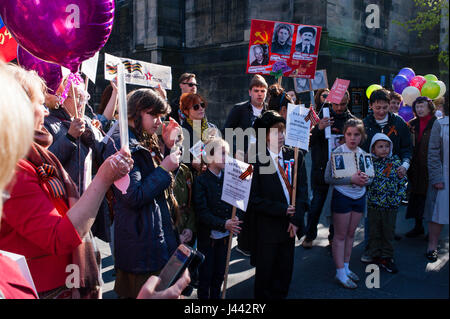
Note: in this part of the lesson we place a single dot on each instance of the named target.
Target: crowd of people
(59, 167)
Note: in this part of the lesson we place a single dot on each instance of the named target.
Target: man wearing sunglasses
(339, 114)
(188, 84)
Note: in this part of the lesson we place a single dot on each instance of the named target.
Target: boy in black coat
(214, 221)
(274, 221)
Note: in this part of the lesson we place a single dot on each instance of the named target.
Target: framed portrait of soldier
(282, 38)
(306, 39)
(343, 164)
(302, 85)
(320, 80)
(368, 164)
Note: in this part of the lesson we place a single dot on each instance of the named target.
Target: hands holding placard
(360, 179)
(325, 122)
(232, 225)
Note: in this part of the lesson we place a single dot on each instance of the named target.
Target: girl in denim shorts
(347, 204)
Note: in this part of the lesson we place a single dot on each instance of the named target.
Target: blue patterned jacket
(387, 190)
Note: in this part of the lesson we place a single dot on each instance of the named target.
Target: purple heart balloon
(406, 113)
(65, 32)
(407, 73)
(50, 72)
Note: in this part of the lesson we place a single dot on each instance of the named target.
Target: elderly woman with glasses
(420, 126)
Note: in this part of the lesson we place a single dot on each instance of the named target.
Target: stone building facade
(210, 38)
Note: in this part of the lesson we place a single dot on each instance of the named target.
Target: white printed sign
(237, 183)
(326, 113)
(139, 72)
(297, 129)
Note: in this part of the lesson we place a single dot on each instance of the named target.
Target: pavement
(314, 270)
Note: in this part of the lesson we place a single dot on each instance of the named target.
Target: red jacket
(12, 283)
(36, 226)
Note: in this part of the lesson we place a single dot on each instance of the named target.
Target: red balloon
(418, 81)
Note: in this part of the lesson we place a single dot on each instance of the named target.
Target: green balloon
(431, 77)
(431, 90)
(372, 88)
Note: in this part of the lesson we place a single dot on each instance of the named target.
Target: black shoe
(415, 232)
(246, 253)
(397, 237)
(432, 255)
(388, 265)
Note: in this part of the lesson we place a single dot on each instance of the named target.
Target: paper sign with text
(237, 183)
(139, 72)
(297, 128)
(338, 91)
(283, 48)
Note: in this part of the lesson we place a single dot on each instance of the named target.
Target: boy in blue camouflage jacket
(384, 197)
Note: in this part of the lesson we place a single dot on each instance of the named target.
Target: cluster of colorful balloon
(411, 86)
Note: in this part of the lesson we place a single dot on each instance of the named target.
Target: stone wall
(210, 39)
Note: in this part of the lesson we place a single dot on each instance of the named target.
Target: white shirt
(383, 122)
(352, 191)
(279, 157)
(215, 234)
(307, 48)
(257, 112)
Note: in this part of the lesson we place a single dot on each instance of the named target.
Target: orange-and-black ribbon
(247, 172)
(392, 130)
(48, 174)
(387, 170)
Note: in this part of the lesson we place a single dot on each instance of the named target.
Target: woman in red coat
(44, 220)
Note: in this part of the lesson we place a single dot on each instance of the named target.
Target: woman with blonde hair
(16, 135)
(44, 219)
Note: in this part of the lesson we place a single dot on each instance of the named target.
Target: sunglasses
(191, 84)
(197, 106)
(324, 95)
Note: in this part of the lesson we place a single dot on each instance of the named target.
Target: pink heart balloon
(123, 183)
(65, 32)
(50, 72)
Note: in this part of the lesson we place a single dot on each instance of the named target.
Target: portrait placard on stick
(346, 164)
(297, 128)
(283, 49)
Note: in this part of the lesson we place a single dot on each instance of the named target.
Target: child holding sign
(214, 219)
(275, 221)
(348, 203)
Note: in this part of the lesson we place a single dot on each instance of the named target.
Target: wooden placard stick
(294, 182)
(230, 239)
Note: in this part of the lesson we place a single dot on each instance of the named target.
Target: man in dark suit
(274, 221)
(306, 35)
(242, 116)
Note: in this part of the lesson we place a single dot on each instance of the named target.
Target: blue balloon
(407, 73)
(399, 83)
(406, 113)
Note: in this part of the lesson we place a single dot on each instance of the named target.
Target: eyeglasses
(324, 96)
(197, 106)
(190, 84)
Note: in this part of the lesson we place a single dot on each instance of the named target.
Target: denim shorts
(341, 204)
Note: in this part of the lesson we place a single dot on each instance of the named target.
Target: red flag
(8, 46)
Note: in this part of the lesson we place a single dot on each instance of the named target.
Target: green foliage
(428, 17)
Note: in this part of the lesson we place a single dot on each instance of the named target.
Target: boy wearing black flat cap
(274, 222)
